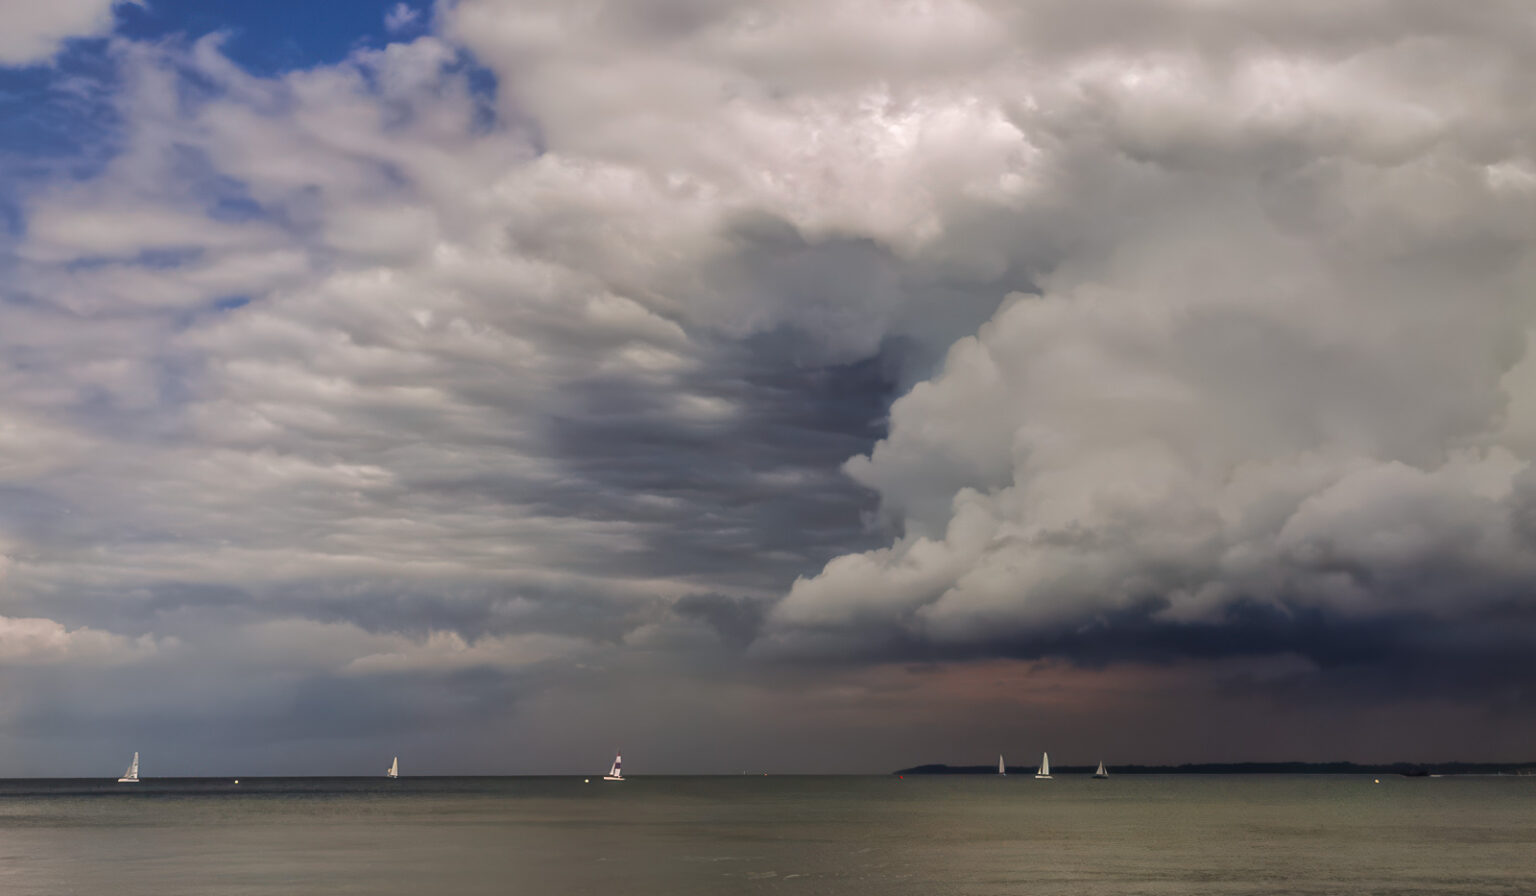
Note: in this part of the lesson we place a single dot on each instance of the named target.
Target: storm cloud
(1283, 372)
(562, 373)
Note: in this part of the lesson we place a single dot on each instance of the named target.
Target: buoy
(586, 780)
(1378, 780)
(237, 780)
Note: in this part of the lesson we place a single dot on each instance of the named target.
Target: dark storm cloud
(749, 497)
(1415, 652)
(737, 620)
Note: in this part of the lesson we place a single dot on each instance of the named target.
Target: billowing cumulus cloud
(28, 641)
(1274, 386)
(574, 357)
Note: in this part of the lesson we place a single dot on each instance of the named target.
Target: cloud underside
(1212, 327)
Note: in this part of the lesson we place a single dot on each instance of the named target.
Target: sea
(753, 834)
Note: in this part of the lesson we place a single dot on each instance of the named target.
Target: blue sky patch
(274, 36)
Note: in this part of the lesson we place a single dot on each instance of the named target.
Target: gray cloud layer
(400, 410)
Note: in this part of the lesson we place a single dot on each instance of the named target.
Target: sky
(771, 385)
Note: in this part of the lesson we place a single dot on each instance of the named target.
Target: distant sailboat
(1101, 773)
(617, 772)
(1045, 766)
(394, 769)
(1001, 769)
(131, 776)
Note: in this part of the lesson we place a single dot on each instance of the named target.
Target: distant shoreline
(1407, 769)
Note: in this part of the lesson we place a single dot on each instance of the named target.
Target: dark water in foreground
(780, 835)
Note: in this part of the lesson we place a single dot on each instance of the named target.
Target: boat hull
(613, 777)
(127, 780)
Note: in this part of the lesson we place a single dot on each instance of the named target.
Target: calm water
(781, 835)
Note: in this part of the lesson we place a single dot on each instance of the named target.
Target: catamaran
(1001, 769)
(617, 772)
(131, 776)
(1101, 773)
(1045, 766)
(394, 769)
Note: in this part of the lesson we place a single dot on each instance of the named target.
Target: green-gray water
(752, 834)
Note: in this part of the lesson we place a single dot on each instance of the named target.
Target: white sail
(1001, 769)
(131, 776)
(1101, 773)
(394, 768)
(617, 772)
(1045, 766)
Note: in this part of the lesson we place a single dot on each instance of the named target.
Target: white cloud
(447, 651)
(400, 17)
(34, 32)
(31, 448)
(32, 641)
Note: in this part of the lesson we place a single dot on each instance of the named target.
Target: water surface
(1161, 834)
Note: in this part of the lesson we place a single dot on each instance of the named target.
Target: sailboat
(131, 776)
(1101, 773)
(1045, 766)
(1001, 769)
(394, 769)
(617, 772)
